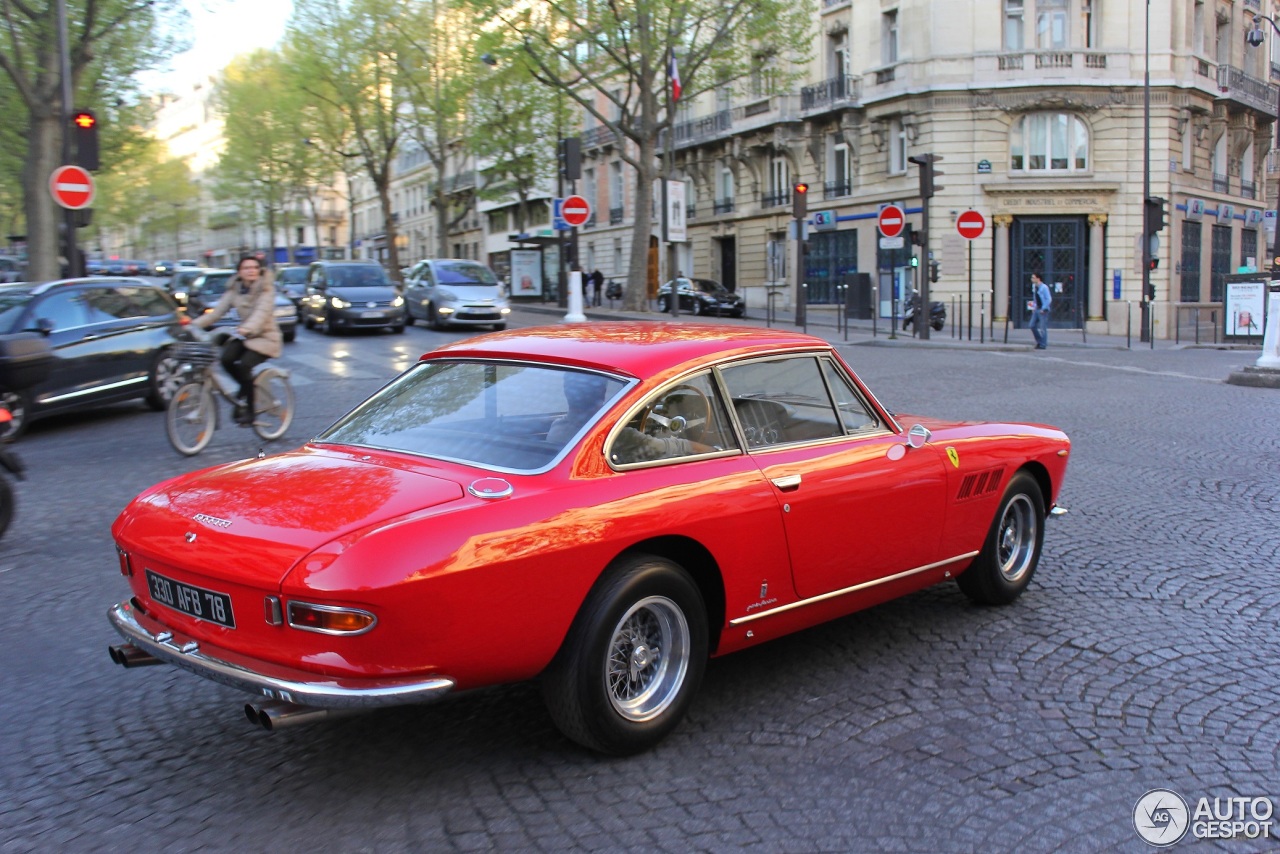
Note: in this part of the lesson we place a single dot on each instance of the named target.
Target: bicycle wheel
(190, 418)
(272, 404)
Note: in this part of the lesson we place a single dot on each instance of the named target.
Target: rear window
(464, 273)
(292, 276)
(213, 285)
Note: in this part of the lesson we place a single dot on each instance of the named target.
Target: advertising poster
(1244, 308)
(526, 273)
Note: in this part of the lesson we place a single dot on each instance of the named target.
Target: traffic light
(928, 173)
(1155, 262)
(935, 271)
(915, 260)
(917, 239)
(799, 199)
(84, 139)
(1155, 214)
(571, 158)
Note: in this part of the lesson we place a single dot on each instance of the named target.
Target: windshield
(363, 276)
(292, 276)
(464, 273)
(504, 415)
(12, 301)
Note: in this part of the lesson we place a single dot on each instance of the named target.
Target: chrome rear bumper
(289, 685)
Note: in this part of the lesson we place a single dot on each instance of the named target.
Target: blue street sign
(557, 221)
(1115, 283)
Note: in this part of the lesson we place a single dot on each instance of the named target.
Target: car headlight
(397, 302)
(339, 302)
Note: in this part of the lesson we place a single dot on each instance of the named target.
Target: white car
(455, 291)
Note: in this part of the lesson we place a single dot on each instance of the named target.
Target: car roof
(42, 287)
(638, 349)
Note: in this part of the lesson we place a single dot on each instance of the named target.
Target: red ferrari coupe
(601, 506)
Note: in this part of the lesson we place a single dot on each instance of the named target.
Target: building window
(1013, 39)
(889, 37)
(840, 170)
(1218, 166)
(1197, 29)
(1051, 24)
(1089, 23)
(724, 186)
(897, 146)
(589, 187)
(838, 59)
(1222, 43)
(763, 82)
(615, 184)
(1049, 142)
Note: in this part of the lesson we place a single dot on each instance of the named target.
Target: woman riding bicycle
(251, 292)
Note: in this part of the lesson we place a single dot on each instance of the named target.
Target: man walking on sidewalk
(1040, 312)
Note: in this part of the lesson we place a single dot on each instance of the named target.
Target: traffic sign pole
(971, 224)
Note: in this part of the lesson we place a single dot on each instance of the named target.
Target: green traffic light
(915, 262)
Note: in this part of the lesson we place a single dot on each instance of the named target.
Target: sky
(221, 29)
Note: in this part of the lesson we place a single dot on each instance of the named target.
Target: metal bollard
(1128, 325)
(875, 309)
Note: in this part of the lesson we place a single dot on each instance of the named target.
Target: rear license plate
(194, 601)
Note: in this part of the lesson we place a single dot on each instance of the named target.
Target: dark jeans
(240, 361)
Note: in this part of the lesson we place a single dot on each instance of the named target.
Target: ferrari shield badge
(954, 457)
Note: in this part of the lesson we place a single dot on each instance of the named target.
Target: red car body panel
(483, 591)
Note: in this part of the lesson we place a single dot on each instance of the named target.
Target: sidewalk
(823, 322)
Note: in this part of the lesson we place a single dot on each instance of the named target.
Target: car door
(63, 317)
(414, 289)
(121, 321)
(857, 505)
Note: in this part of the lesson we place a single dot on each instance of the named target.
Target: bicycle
(192, 415)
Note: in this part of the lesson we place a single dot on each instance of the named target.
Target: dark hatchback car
(351, 295)
(205, 291)
(703, 296)
(292, 282)
(110, 339)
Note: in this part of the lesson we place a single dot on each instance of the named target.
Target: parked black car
(351, 295)
(703, 296)
(110, 339)
(205, 291)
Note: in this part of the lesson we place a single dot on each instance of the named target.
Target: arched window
(1049, 142)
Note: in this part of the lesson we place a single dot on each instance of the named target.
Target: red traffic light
(802, 188)
(84, 119)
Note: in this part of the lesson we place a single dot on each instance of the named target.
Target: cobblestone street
(1142, 656)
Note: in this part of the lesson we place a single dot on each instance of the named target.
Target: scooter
(8, 462)
(937, 313)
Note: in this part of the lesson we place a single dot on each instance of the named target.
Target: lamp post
(1255, 37)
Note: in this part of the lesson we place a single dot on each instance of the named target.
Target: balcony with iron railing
(836, 189)
(1221, 183)
(766, 111)
(702, 129)
(723, 206)
(690, 210)
(597, 137)
(1248, 189)
(832, 93)
(615, 215)
(1237, 87)
(775, 198)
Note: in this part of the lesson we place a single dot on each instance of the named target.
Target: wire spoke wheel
(190, 418)
(273, 403)
(647, 659)
(1016, 540)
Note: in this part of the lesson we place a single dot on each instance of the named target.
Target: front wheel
(1003, 569)
(166, 376)
(6, 505)
(273, 403)
(633, 659)
(191, 418)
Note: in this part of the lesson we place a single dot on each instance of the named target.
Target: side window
(109, 304)
(64, 310)
(682, 420)
(782, 401)
(150, 302)
(854, 413)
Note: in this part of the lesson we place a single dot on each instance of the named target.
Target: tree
(346, 57)
(617, 54)
(110, 41)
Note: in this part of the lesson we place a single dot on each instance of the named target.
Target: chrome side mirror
(918, 435)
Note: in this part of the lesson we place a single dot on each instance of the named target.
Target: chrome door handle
(791, 481)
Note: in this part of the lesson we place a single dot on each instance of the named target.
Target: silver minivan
(455, 291)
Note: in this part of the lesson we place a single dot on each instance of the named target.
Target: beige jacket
(257, 313)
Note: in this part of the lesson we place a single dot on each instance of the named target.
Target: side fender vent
(980, 484)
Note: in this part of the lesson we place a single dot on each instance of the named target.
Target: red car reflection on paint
(603, 506)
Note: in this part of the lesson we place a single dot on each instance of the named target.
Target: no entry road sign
(892, 221)
(576, 211)
(971, 224)
(72, 187)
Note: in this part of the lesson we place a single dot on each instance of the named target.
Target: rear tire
(273, 403)
(166, 376)
(1008, 560)
(664, 304)
(191, 419)
(633, 659)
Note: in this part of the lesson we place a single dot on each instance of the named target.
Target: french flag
(675, 78)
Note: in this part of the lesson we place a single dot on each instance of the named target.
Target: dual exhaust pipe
(270, 716)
